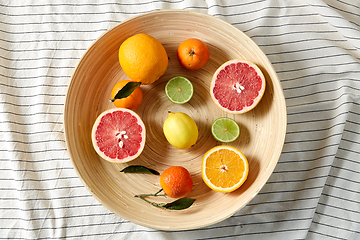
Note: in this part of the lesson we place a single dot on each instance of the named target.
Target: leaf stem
(152, 194)
(142, 196)
(179, 204)
(157, 193)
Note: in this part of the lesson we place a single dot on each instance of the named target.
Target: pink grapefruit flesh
(237, 86)
(118, 135)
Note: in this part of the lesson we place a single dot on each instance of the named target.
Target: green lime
(179, 90)
(225, 129)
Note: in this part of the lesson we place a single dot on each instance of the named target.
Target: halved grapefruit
(237, 86)
(118, 135)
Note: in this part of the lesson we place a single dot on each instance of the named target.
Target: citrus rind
(255, 100)
(184, 84)
(232, 135)
(180, 130)
(236, 185)
(101, 153)
(143, 58)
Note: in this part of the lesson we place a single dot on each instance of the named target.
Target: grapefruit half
(118, 135)
(237, 86)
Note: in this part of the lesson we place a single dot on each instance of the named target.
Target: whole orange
(143, 58)
(130, 102)
(193, 54)
(176, 182)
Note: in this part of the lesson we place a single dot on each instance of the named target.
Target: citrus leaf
(126, 90)
(139, 169)
(179, 204)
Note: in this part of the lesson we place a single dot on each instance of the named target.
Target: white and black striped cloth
(314, 192)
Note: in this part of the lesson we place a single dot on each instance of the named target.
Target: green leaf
(126, 90)
(139, 169)
(180, 204)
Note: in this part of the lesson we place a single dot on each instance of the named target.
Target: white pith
(207, 180)
(179, 89)
(119, 135)
(237, 87)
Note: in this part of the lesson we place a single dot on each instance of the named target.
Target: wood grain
(262, 129)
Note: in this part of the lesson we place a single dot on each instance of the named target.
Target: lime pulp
(225, 130)
(179, 90)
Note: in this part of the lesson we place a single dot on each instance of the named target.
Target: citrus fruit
(130, 102)
(179, 90)
(143, 58)
(224, 168)
(176, 182)
(118, 135)
(180, 130)
(237, 86)
(193, 54)
(225, 129)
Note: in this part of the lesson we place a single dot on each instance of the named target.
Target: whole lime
(180, 130)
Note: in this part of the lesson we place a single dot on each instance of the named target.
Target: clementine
(193, 54)
(130, 102)
(143, 58)
(176, 182)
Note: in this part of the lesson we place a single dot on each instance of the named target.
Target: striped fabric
(314, 191)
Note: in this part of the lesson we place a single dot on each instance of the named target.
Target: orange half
(224, 168)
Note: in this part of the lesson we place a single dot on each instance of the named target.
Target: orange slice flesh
(224, 168)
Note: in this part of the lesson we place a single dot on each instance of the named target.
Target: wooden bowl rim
(199, 14)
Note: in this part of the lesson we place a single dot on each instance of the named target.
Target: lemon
(180, 130)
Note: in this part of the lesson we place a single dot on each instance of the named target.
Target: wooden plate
(262, 129)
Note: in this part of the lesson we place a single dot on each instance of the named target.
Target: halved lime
(179, 90)
(225, 129)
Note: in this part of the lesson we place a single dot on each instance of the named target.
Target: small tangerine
(193, 54)
(130, 102)
(176, 182)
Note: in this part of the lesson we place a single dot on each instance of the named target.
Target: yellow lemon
(180, 130)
